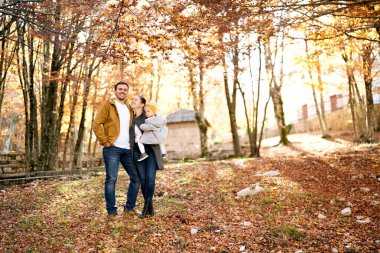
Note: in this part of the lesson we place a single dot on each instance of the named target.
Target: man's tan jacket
(107, 123)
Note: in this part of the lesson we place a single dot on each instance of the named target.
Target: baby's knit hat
(152, 107)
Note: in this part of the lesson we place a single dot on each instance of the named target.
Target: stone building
(184, 136)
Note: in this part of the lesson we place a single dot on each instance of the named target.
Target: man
(112, 127)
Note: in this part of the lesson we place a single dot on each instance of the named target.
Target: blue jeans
(147, 172)
(112, 157)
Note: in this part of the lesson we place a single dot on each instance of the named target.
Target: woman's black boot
(150, 209)
(144, 212)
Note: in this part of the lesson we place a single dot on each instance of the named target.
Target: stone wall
(183, 140)
(339, 120)
(12, 162)
(13, 165)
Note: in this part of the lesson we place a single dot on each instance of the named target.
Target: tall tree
(196, 67)
(26, 59)
(7, 53)
(94, 64)
(231, 89)
(275, 90)
(368, 58)
(313, 60)
(254, 131)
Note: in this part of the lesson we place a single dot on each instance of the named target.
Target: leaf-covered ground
(69, 215)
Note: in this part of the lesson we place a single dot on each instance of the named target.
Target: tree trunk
(24, 84)
(280, 116)
(275, 94)
(33, 106)
(94, 148)
(89, 156)
(10, 132)
(26, 70)
(231, 98)
(249, 132)
(319, 115)
(324, 127)
(351, 95)
(49, 139)
(370, 109)
(257, 143)
(6, 61)
(74, 138)
(252, 134)
(3, 71)
(74, 100)
(200, 117)
(79, 142)
(311, 60)
(158, 80)
(63, 92)
(198, 100)
(236, 70)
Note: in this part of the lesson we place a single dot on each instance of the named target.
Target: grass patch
(306, 194)
(65, 209)
(252, 210)
(275, 231)
(62, 220)
(225, 174)
(187, 161)
(267, 201)
(183, 181)
(170, 204)
(293, 232)
(280, 208)
(180, 242)
(64, 189)
(25, 223)
(300, 195)
(224, 198)
(117, 228)
(289, 231)
(270, 218)
(159, 176)
(343, 219)
(209, 228)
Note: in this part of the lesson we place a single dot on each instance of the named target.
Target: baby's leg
(162, 147)
(141, 147)
(165, 158)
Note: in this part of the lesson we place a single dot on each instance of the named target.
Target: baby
(155, 132)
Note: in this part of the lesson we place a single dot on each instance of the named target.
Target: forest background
(240, 65)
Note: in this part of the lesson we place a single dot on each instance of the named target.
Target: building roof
(182, 115)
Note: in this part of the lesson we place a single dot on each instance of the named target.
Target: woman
(146, 168)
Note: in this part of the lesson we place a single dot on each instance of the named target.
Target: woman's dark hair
(121, 83)
(142, 100)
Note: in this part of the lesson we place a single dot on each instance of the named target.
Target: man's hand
(107, 144)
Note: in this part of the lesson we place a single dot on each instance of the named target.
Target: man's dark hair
(121, 83)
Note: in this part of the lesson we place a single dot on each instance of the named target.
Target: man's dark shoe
(111, 216)
(130, 212)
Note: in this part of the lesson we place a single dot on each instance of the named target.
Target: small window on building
(333, 103)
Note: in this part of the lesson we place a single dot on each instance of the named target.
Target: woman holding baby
(148, 152)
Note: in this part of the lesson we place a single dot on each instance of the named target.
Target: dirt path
(302, 144)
